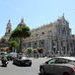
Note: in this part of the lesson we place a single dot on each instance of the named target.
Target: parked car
(7, 55)
(13, 55)
(23, 61)
(58, 66)
(2, 54)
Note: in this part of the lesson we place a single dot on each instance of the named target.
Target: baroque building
(72, 44)
(8, 31)
(53, 38)
(4, 40)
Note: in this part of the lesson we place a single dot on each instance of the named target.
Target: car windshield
(51, 61)
(59, 61)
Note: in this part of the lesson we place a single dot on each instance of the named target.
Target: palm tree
(21, 31)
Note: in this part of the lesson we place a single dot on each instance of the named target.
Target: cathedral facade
(53, 38)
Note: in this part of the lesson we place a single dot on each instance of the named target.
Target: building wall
(4, 44)
(53, 37)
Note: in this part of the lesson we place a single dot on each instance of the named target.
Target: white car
(58, 66)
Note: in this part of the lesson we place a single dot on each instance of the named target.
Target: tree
(21, 31)
(40, 50)
(29, 51)
(13, 45)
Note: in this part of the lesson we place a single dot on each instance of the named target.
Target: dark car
(58, 66)
(5, 54)
(8, 56)
(23, 61)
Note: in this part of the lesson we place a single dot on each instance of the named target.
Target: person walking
(4, 61)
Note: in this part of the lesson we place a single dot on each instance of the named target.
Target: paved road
(15, 70)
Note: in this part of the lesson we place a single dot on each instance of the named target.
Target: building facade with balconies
(53, 38)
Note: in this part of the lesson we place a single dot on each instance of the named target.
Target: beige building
(4, 45)
(72, 44)
(8, 31)
(53, 38)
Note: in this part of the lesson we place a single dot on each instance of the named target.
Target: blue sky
(35, 12)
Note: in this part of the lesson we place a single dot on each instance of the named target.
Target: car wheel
(66, 73)
(42, 71)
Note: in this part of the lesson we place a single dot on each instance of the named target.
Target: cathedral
(4, 45)
(55, 38)
(8, 31)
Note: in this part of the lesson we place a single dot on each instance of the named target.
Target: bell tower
(8, 31)
(8, 28)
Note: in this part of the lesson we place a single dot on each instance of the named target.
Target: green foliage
(13, 44)
(29, 50)
(21, 31)
(14, 39)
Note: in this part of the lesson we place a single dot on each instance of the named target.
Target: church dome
(22, 23)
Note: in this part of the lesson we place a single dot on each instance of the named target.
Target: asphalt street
(15, 70)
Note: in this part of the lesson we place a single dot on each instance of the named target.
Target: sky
(35, 12)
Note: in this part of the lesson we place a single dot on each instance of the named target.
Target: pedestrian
(4, 61)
